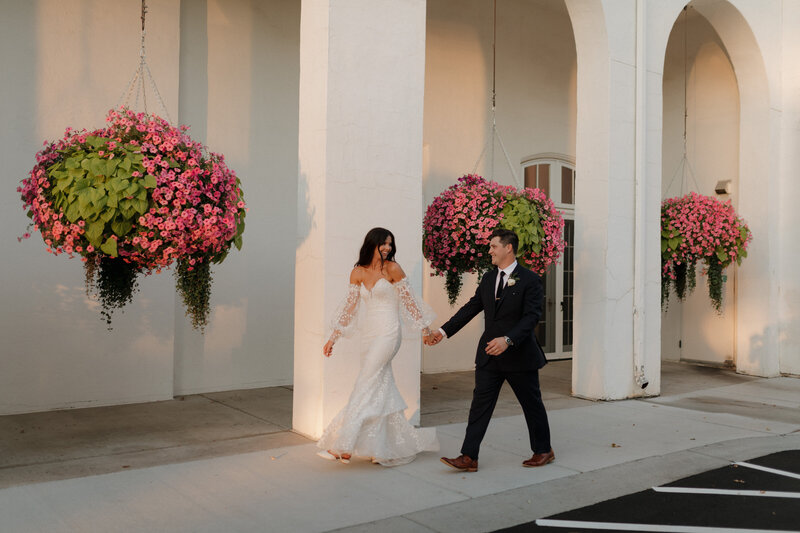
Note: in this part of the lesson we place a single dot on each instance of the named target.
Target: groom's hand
(434, 338)
(496, 346)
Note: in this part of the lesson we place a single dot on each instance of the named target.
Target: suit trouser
(525, 384)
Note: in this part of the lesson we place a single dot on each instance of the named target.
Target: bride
(372, 424)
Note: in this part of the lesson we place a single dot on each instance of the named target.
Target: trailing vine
(113, 281)
(193, 282)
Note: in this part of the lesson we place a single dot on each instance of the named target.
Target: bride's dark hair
(374, 238)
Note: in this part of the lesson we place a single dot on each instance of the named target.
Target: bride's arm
(343, 322)
(416, 311)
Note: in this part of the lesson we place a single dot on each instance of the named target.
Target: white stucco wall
(712, 147)
(536, 113)
(789, 331)
(249, 113)
(65, 63)
(230, 69)
(749, 31)
(58, 71)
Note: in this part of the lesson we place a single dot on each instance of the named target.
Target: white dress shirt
(508, 271)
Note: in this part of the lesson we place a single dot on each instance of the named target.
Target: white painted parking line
(727, 492)
(768, 469)
(621, 526)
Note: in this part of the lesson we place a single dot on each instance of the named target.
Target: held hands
(433, 338)
(496, 346)
(328, 348)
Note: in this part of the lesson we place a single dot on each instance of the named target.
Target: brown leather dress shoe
(540, 459)
(462, 462)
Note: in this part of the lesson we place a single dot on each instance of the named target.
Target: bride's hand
(328, 348)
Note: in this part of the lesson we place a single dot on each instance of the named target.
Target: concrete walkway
(231, 465)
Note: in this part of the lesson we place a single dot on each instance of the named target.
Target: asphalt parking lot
(761, 494)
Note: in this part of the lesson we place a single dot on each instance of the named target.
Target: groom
(512, 300)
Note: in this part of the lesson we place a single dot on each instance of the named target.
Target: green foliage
(96, 184)
(114, 282)
(194, 285)
(452, 283)
(666, 283)
(521, 216)
(716, 280)
(691, 277)
(680, 280)
(670, 240)
(686, 281)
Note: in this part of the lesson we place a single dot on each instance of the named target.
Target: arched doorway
(700, 147)
(535, 76)
(724, 50)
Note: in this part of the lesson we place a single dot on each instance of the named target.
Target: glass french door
(556, 326)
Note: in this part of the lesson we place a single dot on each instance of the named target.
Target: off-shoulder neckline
(373, 286)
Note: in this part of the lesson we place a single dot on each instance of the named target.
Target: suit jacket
(514, 316)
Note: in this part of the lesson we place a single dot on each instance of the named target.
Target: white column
(789, 231)
(616, 262)
(362, 68)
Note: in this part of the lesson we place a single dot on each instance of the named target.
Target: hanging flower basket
(459, 221)
(697, 228)
(133, 198)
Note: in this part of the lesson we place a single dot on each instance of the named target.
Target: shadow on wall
(759, 343)
(192, 111)
(273, 136)
(240, 75)
(193, 69)
(305, 212)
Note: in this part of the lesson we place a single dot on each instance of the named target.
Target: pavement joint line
(728, 492)
(142, 450)
(761, 431)
(243, 412)
(731, 425)
(622, 526)
(466, 496)
(768, 469)
(410, 519)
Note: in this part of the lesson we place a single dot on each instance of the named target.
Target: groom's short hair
(507, 237)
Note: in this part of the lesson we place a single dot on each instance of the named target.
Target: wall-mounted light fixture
(723, 187)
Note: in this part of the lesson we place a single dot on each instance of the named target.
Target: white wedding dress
(372, 424)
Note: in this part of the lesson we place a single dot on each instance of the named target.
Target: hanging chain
(684, 167)
(141, 76)
(685, 74)
(494, 84)
(495, 133)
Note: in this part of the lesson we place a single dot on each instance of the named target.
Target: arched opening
(535, 77)
(700, 146)
(728, 138)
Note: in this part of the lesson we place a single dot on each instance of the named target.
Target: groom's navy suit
(515, 316)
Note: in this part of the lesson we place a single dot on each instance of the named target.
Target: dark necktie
(500, 286)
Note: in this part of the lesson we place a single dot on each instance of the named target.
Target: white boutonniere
(511, 281)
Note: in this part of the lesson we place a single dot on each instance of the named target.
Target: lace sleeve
(343, 322)
(415, 311)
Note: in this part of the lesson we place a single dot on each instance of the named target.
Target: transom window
(555, 177)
